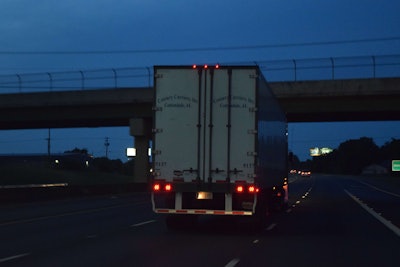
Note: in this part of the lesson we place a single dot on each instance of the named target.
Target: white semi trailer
(219, 143)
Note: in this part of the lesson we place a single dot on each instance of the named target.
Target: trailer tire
(261, 214)
(279, 204)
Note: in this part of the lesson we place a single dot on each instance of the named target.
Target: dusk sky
(51, 36)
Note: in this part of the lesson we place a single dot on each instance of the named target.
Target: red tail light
(156, 187)
(168, 187)
(162, 186)
(250, 189)
(253, 189)
(239, 189)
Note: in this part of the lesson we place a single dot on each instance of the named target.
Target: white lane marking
(376, 188)
(271, 226)
(14, 257)
(142, 223)
(385, 222)
(33, 186)
(232, 263)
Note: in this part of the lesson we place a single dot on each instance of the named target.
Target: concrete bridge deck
(340, 100)
(306, 101)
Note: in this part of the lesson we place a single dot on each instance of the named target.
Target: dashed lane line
(271, 226)
(232, 263)
(143, 223)
(235, 261)
(14, 257)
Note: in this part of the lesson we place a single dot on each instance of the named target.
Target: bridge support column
(140, 129)
(142, 166)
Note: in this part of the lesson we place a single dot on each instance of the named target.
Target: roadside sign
(396, 165)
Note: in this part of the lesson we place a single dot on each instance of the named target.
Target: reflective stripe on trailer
(208, 212)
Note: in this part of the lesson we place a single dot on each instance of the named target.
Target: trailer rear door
(233, 117)
(205, 124)
(175, 151)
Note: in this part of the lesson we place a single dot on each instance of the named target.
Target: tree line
(353, 156)
(102, 164)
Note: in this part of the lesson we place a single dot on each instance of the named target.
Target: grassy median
(23, 174)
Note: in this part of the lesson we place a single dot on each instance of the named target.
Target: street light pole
(106, 144)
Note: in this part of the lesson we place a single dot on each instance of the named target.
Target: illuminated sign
(131, 152)
(316, 151)
(396, 165)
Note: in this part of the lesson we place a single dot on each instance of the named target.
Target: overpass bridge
(310, 90)
(103, 98)
(305, 101)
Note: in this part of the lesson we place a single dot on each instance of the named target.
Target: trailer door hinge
(157, 108)
(157, 130)
(157, 76)
(251, 153)
(235, 171)
(217, 170)
(191, 170)
(253, 109)
(252, 131)
(253, 76)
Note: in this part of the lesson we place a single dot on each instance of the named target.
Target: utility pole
(48, 143)
(106, 144)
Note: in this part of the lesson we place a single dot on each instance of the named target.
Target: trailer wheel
(283, 203)
(261, 214)
(279, 204)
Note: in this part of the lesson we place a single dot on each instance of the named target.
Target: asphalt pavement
(331, 221)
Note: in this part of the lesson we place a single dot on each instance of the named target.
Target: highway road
(331, 221)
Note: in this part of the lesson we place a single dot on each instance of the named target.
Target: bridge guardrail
(332, 68)
(76, 80)
(274, 71)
